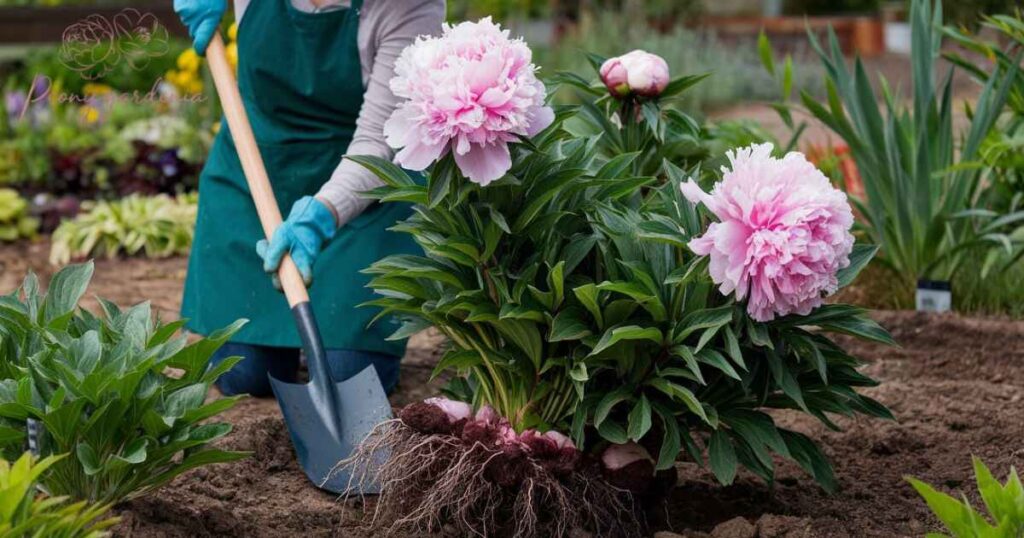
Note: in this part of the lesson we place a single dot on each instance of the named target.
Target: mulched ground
(956, 386)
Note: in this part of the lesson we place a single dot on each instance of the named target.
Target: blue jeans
(249, 376)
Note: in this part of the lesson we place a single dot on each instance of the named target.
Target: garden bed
(956, 385)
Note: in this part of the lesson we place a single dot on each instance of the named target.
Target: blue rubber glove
(303, 234)
(202, 18)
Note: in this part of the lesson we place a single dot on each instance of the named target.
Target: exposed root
(437, 479)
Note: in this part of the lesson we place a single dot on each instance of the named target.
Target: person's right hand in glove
(202, 18)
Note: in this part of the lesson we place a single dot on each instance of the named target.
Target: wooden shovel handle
(252, 163)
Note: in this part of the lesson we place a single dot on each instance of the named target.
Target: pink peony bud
(616, 457)
(615, 78)
(638, 72)
(455, 411)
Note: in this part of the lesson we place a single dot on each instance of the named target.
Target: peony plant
(628, 107)
(600, 327)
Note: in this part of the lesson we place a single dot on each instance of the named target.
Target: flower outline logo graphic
(94, 46)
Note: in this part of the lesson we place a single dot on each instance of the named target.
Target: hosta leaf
(88, 458)
(134, 453)
(66, 288)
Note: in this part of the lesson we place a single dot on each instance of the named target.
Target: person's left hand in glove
(310, 224)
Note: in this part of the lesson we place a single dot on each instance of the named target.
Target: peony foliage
(571, 307)
(576, 296)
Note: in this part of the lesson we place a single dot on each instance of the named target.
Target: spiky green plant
(24, 512)
(922, 178)
(1004, 502)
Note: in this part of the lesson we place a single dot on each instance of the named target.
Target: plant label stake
(326, 420)
(933, 296)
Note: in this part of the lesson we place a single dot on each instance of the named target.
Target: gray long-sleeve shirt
(386, 27)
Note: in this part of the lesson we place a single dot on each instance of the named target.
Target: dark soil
(956, 386)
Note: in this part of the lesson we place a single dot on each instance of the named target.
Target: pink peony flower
(783, 232)
(638, 72)
(472, 91)
(455, 411)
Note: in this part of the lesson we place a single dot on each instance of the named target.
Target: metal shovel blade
(319, 442)
(326, 419)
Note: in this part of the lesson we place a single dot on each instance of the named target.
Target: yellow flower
(233, 32)
(93, 88)
(216, 128)
(189, 61)
(232, 52)
(89, 114)
(195, 86)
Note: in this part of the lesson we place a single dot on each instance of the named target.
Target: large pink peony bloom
(783, 232)
(472, 90)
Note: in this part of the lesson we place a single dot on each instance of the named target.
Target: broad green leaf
(66, 288)
(807, 454)
(722, 457)
(859, 258)
(384, 169)
(604, 407)
(640, 419)
(569, 324)
(630, 333)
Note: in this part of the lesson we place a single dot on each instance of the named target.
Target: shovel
(326, 420)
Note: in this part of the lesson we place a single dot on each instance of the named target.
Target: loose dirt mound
(956, 386)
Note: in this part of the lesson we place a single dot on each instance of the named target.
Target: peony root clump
(449, 466)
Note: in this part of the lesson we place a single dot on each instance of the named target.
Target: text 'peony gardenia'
(783, 232)
(472, 91)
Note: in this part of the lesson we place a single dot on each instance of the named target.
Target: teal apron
(301, 80)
